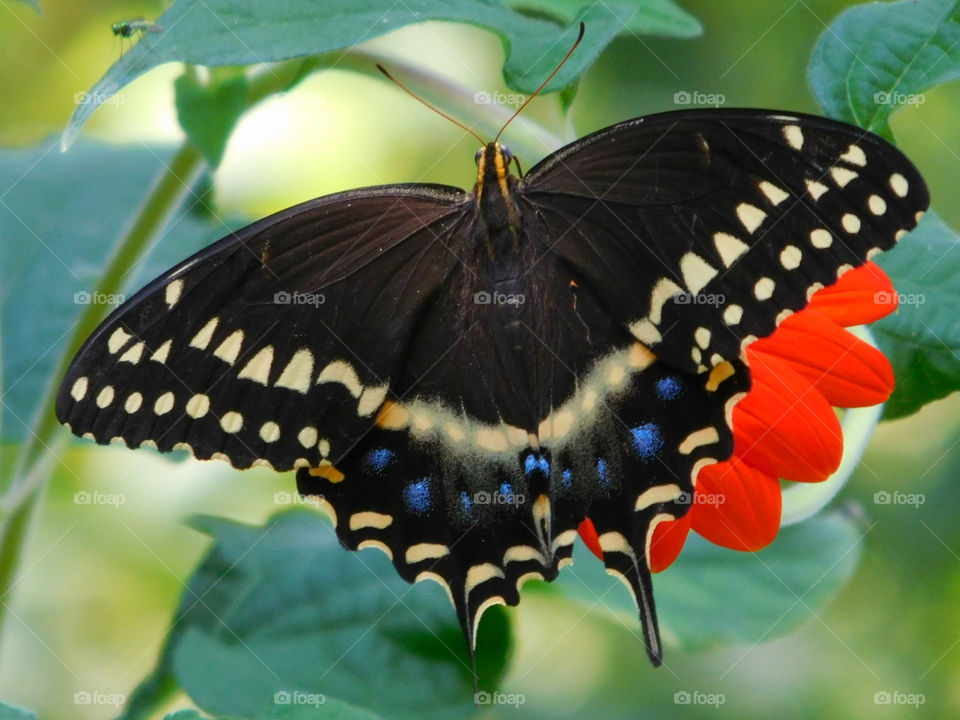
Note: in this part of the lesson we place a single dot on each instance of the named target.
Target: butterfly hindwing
(242, 350)
(701, 230)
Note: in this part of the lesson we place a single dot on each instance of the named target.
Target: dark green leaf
(329, 710)
(208, 111)
(223, 32)
(650, 17)
(296, 618)
(8, 712)
(712, 596)
(876, 57)
(58, 221)
(922, 338)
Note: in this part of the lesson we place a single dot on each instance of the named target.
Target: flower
(786, 426)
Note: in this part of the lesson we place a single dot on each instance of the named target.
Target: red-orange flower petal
(737, 506)
(848, 371)
(785, 427)
(667, 541)
(860, 296)
(588, 533)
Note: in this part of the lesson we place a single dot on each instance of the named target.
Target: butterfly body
(463, 377)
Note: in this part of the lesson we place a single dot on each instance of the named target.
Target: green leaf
(58, 221)
(329, 710)
(296, 618)
(876, 57)
(712, 596)
(223, 32)
(650, 17)
(922, 338)
(8, 712)
(208, 111)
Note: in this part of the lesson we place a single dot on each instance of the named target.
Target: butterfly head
(493, 168)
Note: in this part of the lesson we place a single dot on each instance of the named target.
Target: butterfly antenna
(420, 100)
(544, 83)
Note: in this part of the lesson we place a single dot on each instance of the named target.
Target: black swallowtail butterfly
(463, 377)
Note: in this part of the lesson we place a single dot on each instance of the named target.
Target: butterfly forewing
(275, 345)
(701, 230)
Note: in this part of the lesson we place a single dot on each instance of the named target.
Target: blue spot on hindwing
(417, 496)
(669, 387)
(534, 462)
(466, 503)
(602, 472)
(378, 459)
(567, 478)
(647, 440)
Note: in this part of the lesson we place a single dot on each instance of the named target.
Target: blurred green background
(99, 583)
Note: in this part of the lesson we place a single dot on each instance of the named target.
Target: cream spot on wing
(855, 156)
(298, 373)
(198, 406)
(790, 257)
(370, 519)
(258, 368)
(815, 189)
(173, 292)
(133, 354)
(105, 397)
(79, 390)
(203, 337)
(899, 185)
(750, 216)
(308, 436)
(340, 371)
(646, 332)
(732, 314)
(425, 551)
(324, 447)
(699, 438)
(821, 239)
(133, 402)
(231, 422)
(229, 349)
(696, 272)
(794, 136)
(842, 176)
(702, 336)
(656, 495)
(162, 353)
(814, 289)
(775, 195)
(164, 404)
(370, 399)
(877, 205)
(269, 432)
(117, 340)
(850, 222)
(479, 574)
(490, 439)
(763, 289)
(662, 291)
(729, 247)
